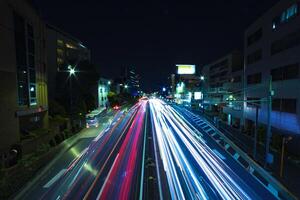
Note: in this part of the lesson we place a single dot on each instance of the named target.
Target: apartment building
(271, 47)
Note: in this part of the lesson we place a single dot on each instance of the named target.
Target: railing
(270, 183)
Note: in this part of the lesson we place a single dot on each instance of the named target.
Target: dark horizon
(153, 37)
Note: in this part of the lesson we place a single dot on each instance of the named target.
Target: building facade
(103, 90)
(223, 79)
(63, 51)
(272, 46)
(23, 72)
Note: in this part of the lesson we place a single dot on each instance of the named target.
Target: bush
(67, 133)
(52, 143)
(58, 139)
(55, 108)
(43, 148)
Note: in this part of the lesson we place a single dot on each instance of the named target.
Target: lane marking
(219, 154)
(107, 177)
(143, 159)
(55, 178)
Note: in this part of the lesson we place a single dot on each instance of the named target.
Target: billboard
(186, 69)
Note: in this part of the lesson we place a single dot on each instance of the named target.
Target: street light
(126, 86)
(202, 79)
(72, 71)
(164, 89)
(108, 82)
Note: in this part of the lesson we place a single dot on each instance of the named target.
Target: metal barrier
(274, 186)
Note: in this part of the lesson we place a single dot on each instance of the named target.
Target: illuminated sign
(180, 87)
(198, 95)
(186, 69)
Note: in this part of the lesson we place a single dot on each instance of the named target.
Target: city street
(109, 162)
(149, 100)
(194, 165)
(70, 151)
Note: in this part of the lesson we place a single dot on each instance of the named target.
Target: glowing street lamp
(72, 71)
(126, 86)
(202, 78)
(164, 89)
(108, 82)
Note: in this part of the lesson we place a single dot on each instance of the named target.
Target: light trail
(192, 169)
(121, 179)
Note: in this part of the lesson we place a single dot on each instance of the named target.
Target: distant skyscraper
(132, 80)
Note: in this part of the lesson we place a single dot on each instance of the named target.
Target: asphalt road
(152, 150)
(193, 165)
(71, 149)
(104, 163)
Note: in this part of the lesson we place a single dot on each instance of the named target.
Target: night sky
(153, 36)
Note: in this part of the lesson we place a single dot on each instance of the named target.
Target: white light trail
(192, 168)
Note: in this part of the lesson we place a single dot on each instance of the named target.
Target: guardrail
(274, 186)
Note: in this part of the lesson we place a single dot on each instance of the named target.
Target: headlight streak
(169, 128)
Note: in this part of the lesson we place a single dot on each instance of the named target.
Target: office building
(63, 52)
(272, 46)
(23, 77)
(103, 90)
(223, 80)
(131, 81)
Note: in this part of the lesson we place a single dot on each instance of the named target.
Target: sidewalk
(291, 174)
(64, 151)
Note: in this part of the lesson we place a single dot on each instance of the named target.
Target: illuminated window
(60, 43)
(70, 46)
(60, 61)
(32, 92)
(285, 16)
(60, 52)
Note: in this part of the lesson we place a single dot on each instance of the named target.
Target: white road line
(98, 196)
(55, 178)
(219, 154)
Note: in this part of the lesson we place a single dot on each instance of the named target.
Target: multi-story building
(271, 47)
(131, 81)
(103, 90)
(23, 77)
(223, 80)
(63, 51)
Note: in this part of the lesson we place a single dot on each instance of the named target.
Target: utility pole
(255, 132)
(71, 102)
(285, 140)
(71, 73)
(269, 132)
